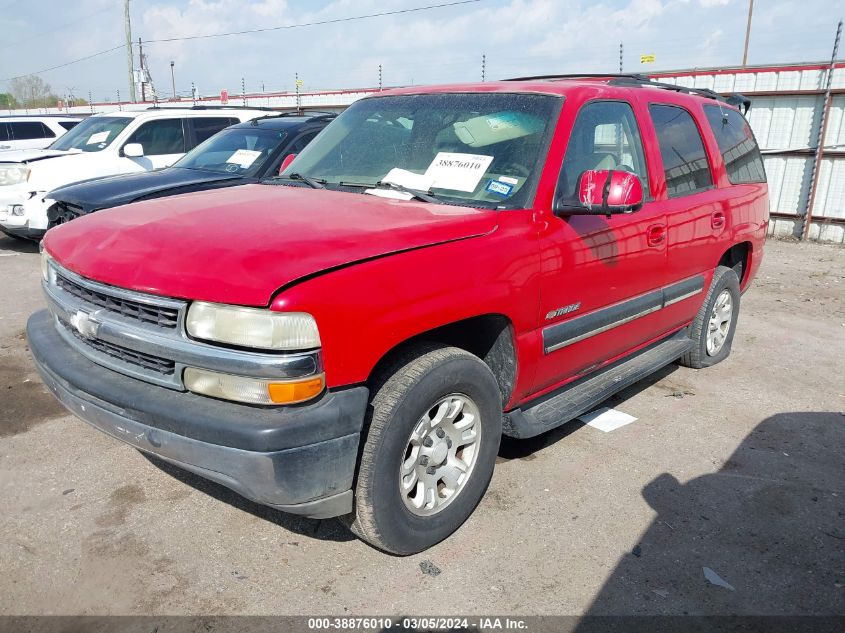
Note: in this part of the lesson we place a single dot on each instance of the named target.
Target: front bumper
(33, 222)
(299, 459)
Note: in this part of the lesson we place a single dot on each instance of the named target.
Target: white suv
(33, 132)
(102, 145)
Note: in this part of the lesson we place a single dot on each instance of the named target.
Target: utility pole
(193, 93)
(243, 90)
(379, 77)
(483, 67)
(621, 49)
(129, 60)
(298, 102)
(817, 161)
(173, 80)
(141, 70)
(90, 102)
(747, 33)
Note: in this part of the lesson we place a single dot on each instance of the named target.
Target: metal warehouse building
(787, 103)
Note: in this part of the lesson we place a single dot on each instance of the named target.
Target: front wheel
(713, 329)
(434, 433)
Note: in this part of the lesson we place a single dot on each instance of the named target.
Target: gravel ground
(734, 472)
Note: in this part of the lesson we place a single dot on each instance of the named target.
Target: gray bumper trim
(275, 479)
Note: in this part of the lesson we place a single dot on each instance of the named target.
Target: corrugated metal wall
(785, 115)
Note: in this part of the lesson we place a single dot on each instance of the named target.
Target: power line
(75, 61)
(275, 28)
(58, 28)
(319, 23)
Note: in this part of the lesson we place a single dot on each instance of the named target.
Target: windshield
(465, 148)
(93, 134)
(241, 151)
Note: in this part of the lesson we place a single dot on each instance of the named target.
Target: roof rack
(305, 113)
(735, 99)
(210, 107)
(637, 76)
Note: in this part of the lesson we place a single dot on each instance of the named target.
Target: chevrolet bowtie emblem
(85, 324)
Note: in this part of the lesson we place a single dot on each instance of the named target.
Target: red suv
(440, 266)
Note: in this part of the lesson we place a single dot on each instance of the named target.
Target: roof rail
(210, 107)
(580, 76)
(310, 115)
(735, 99)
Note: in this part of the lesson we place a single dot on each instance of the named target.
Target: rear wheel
(713, 329)
(434, 433)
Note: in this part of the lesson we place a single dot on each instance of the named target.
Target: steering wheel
(514, 168)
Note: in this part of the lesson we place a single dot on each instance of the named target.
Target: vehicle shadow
(323, 529)
(511, 448)
(762, 536)
(14, 245)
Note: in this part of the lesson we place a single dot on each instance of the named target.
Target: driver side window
(605, 137)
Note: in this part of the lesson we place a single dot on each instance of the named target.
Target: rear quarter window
(737, 145)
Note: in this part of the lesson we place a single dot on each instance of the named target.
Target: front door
(602, 277)
(163, 141)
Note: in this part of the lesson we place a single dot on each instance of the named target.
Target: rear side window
(736, 142)
(205, 128)
(68, 125)
(161, 137)
(4, 132)
(684, 159)
(29, 130)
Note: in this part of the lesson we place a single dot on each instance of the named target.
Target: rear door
(696, 210)
(30, 134)
(203, 128)
(601, 276)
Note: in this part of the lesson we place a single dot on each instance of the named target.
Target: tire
(725, 283)
(404, 397)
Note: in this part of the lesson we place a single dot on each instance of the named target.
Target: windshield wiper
(314, 183)
(425, 196)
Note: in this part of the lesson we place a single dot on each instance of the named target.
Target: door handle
(656, 234)
(717, 220)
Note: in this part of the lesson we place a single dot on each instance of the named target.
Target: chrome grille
(149, 362)
(152, 314)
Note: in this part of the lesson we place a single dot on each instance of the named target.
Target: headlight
(45, 264)
(252, 390)
(252, 327)
(13, 174)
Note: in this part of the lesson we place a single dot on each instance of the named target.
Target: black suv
(240, 154)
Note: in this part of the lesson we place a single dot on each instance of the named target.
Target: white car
(102, 145)
(33, 132)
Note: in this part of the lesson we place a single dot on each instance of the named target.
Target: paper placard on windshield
(460, 172)
(405, 178)
(98, 137)
(243, 157)
(389, 193)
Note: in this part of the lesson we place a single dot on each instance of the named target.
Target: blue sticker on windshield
(500, 188)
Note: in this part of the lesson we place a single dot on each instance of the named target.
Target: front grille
(155, 315)
(149, 362)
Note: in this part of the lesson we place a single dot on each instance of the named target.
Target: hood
(241, 244)
(30, 155)
(112, 191)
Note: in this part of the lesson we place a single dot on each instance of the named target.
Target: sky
(439, 45)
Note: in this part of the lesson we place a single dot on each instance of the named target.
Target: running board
(588, 392)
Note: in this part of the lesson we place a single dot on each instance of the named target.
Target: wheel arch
(490, 337)
(738, 257)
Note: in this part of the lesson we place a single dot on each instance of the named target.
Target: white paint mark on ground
(606, 419)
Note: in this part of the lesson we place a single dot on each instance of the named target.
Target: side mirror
(286, 161)
(604, 192)
(133, 150)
